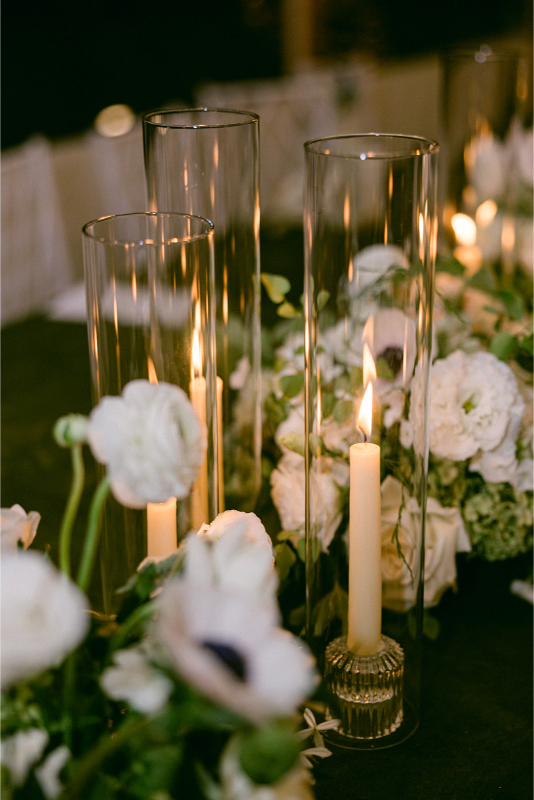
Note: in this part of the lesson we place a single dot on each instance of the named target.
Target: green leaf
(322, 299)
(296, 442)
(527, 344)
(515, 307)
(282, 536)
(484, 280)
(450, 265)
(504, 345)
(268, 753)
(316, 444)
(343, 410)
(301, 549)
(328, 402)
(287, 310)
(431, 626)
(276, 286)
(291, 385)
(285, 557)
(383, 370)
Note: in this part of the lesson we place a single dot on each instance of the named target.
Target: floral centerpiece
(480, 464)
(193, 688)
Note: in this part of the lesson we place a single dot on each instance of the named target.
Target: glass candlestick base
(365, 692)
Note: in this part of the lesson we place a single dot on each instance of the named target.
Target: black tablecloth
(475, 737)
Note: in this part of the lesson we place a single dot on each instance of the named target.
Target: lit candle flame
(152, 377)
(196, 355)
(365, 414)
(369, 368)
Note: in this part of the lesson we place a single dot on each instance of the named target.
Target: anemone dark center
(230, 657)
(393, 357)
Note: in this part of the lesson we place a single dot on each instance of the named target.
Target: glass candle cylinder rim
(206, 227)
(244, 118)
(425, 146)
(470, 53)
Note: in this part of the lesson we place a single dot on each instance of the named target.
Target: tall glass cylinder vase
(370, 239)
(150, 311)
(486, 165)
(204, 161)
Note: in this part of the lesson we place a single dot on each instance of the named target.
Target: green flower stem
(138, 616)
(69, 680)
(93, 533)
(90, 765)
(78, 479)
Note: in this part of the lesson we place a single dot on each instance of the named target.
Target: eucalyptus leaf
(515, 307)
(296, 442)
(355, 379)
(285, 557)
(276, 286)
(291, 385)
(287, 310)
(484, 280)
(343, 410)
(322, 299)
(504, 345)
(328, 402)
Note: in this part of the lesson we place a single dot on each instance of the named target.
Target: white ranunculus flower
(474, 399)
(236, 784)
(151, 441)
(17, 526)
(287, 491)
(374, 261)
(445, 536)
(133, 678)
(21, 751)
(48, 773)
(226, 645)
(44, 616)
(235, 552)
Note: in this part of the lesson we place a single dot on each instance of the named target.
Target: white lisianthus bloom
(287, 491)
(44, 616)
(151, 441)
(17, 526)
(474, 400)
(374, 261)
(48, 773)
(21, 751)
(445, 536)
(226, 645)
(134, 679)
(236, 784)
(235, 552)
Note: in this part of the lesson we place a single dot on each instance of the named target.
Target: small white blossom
(133, 678)
(21, 751)
(445, 536)
(44, 616)
(315, 729)
(151, 441)
(48, 773)
(17, 526)
(71, 429)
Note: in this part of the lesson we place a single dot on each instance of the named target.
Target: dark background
(65, 61)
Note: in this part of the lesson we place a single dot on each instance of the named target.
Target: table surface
(475, 737)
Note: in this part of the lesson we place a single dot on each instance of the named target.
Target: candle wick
(364, 435)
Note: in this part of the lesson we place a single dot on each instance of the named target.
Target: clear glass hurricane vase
(205, 161)
(150, 312)
(370, 241)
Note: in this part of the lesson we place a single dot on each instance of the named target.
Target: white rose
(44, 616)
(133, 678)
(151, 441)
(473, 399)
(17, 526)
(445, 536)
(372, 262)
(288, 493)
(21, 751)
(235, 553)
(227, 646)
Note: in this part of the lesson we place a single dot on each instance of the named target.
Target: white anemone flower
(235, 552)
(150, 440)
(225, 644)
(390, 336)
(44, 616)
(17, 526)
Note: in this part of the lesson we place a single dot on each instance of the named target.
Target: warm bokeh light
(116, 120)
(465, 229)
(365, 414)
(485, 213)
(152, 377)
